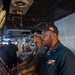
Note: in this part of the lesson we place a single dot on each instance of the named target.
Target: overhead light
(20, 6)
(2, 14)
(20, 3)
(2, 17)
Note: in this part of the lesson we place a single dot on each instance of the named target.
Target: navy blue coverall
(13, 49)
(58, 61)
(5, 55)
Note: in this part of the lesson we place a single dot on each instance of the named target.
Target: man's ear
(53, 35)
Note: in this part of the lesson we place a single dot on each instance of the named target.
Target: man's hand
(19, 73)
(22, 72)
(13, 69)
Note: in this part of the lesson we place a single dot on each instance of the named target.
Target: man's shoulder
(43, 47)
(65, 52)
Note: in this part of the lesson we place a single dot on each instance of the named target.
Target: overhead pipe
(18, 30)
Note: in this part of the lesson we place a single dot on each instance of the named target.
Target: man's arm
(30, 69)
(67, 65)
(33, 66)
(21, 64)
(27, 60)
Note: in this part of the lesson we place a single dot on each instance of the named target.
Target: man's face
(35, 39)
(47, 38)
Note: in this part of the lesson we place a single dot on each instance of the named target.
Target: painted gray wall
(66, 27)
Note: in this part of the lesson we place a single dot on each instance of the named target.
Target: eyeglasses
(44, 35)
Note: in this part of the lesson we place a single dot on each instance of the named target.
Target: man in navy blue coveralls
(13, 49)
(57, 59)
